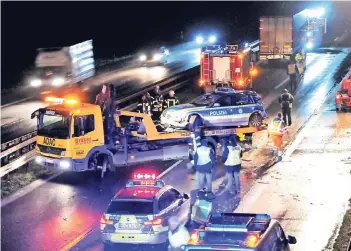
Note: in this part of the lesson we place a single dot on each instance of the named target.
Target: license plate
(129, 225)
(126, 237)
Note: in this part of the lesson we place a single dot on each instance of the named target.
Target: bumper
(176, 124)
(123, 238)
(61, 164)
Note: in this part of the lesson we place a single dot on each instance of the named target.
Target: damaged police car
(224, 107)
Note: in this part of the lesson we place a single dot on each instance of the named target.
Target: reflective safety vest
(233, 156)
(277, 127)
(291, 69)
(179, 238)
(204, 155)
(298, 57)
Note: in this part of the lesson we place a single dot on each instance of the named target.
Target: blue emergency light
(224, 90)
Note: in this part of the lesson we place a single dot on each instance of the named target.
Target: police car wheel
(194, 123)
(255, 120)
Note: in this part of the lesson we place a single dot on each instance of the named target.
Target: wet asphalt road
(15, 119)
(59, 213)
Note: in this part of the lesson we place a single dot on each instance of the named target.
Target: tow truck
(77, 137)
(343, 97)
(228, 68)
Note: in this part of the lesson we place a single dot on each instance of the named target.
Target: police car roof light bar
(237, 222)
(224, 90)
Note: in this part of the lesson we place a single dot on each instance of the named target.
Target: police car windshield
(130, 207)
(205, 100)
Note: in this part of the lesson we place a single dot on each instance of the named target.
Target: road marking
(281, 84)
(25, 190)
(80, 237)
(169, 169)
(16, 102)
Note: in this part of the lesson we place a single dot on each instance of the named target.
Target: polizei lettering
(218, 113)
(49, 142)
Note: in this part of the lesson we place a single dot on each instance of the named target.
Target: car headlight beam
(142, 58)
(157, 57)
(36, 83)
(58, 82)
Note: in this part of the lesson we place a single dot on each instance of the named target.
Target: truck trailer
(57, 67)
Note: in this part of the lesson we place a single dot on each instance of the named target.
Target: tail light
(103, 220)
(154, 222)
(201, 82)
(194, 238)
(252, 240)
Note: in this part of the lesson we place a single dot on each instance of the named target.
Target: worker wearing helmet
(178, 235)
(285, 101)
(204, 162)
(144, 106)
(231, 158)
(170, 100)
(276, 130)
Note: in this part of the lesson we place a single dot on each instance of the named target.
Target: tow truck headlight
(63, 153)
(38, 160)
(64, 164)
(58, 82)
(157, 56)
(142, 58)
(36, 83)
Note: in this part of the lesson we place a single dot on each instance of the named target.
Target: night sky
(118, 28)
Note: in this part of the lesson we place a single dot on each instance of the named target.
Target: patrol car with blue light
(224, 108)
(239, 231)
(154, 56)
(139, 213)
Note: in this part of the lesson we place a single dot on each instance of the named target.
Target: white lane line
(282, 83)
(16, 102)
(27, 189)
(169, 169)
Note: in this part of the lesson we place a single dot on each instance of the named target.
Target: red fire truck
(343, 96)
(229, 67)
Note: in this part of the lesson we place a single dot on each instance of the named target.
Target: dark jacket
(157, 102)
(230, 169)
(144, 107)
(206, 167)
(285, 99)
(170, 101)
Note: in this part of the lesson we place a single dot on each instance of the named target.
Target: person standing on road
(170, 100)
(178, 235)
(157, 103)
(204, 162)
(276, 131)
(292, 75)
(285, 101)
(231, 158)
(144, 106)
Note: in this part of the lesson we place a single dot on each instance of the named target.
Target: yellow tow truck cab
(74, 136)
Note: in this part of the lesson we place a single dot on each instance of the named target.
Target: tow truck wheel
(255, 120)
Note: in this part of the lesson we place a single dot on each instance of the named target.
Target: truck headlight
(142, 58)
(157, 57)
(63, 153)
(58, 82)
(36, 83)
(64, 164)
(38, 160)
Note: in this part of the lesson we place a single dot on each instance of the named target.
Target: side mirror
(216, 105)
(185, 196)
(32, 116)
(291, 239)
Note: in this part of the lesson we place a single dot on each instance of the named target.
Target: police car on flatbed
(139, 213)
(224, 107)
(233, 231)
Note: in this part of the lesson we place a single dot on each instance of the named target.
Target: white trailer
(55, 67)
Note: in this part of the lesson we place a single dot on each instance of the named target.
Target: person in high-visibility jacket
(178, 235)
(276, 131)
(285, 101)
(204, 163)
(292, 75)
(157, 103)
(231, 158)
(170, 100)
(300, 62)
(144, 106)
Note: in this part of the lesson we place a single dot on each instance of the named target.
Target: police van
(224, 107)
(237, 231)
(139, 213)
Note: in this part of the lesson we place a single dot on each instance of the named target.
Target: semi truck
(77, 137)
(283, 36)
(57, 67)
(227, 67)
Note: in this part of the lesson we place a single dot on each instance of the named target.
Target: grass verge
(22, 177)
(342, 241)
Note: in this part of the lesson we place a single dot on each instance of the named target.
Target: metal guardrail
(20, 151)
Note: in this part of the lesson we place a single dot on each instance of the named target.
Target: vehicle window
(204, 100)
(130, 207)
(83, 125)
(231, 238)
(54, 125)
(165, 200)
(175, 195)
(270, 241)
(225, 101)
(257, 99)
(242, 99)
